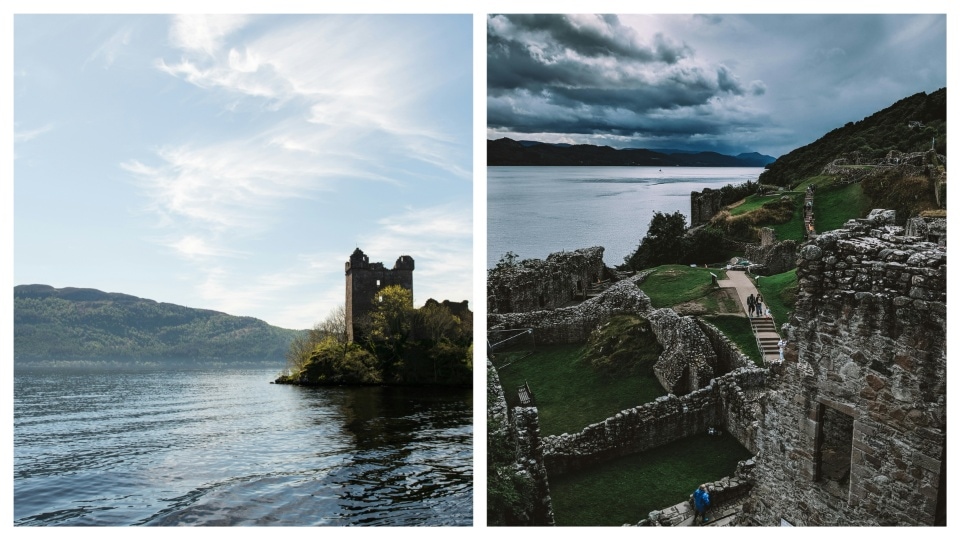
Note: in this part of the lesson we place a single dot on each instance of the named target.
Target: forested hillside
(909, 125)
(87, 324)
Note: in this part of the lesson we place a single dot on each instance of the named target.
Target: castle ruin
(850, 429)
(364, 280)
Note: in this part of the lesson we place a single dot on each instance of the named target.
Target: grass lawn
(793, 229)
(674, 284)
(832, 207)
(570, 394)
(625, 490)
(779, 294)
(739, 331)
(751, 203)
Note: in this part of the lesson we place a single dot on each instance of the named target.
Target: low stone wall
(535, 284)
(654, 424)
(574, 324)
(728, 488)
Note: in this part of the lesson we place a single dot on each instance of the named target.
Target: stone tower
(364, 279)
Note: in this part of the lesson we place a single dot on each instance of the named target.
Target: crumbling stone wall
(928, 229)
(530, 457)
(867, 360)
(535, 284)
(573, 324)
(704, 205)
(772, 258)
(522, 429)
(659, 422)
(688, 360)
(768, 236)
(729, 356)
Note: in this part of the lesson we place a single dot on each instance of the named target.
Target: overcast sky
(729, 83)
(234, 162)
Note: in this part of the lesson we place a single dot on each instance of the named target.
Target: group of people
(755, 306)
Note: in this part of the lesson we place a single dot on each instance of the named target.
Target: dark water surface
(536, 211)
(225, 447)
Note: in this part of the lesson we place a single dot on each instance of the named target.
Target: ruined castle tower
(364, 279)
(855, 428)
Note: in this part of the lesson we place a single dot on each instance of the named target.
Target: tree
(390, 324)
(303, 345)
(435, 321)
(332, 362)
(663, 244)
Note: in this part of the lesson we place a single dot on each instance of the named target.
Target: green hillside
(72, 324)
(909, 125)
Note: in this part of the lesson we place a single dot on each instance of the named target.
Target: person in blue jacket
(701, 501)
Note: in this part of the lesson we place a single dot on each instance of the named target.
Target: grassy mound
(624, 345)
(673, 284)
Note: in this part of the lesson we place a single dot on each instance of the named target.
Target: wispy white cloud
(30, 134)
(111, 48)
(439, 238)
(204, 33)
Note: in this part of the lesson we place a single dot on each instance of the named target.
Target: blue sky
(234, 162)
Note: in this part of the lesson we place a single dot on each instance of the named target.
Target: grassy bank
(779, 294)
(739, 331)
(569, 393)
(625, 490)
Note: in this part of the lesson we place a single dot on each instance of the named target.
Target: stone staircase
(767, 336)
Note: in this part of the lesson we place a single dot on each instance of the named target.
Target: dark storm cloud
(590, 74)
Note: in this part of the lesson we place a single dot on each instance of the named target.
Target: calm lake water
(536, 211)
(225, 447)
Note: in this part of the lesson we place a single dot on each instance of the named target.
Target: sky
(234, 163)
(727, 83)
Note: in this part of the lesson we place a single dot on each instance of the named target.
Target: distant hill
(909, 125)
(69, 325)
(503, 152)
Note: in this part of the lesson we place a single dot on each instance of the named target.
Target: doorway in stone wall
(834, 448)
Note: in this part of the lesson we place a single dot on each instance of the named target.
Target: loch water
(226, 447)
(536, 211)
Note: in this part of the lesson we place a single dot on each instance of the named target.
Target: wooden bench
(526, 395)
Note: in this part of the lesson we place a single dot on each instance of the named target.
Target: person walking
(751, 302)
(701, 502)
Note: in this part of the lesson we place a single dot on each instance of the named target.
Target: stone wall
(530, 457)
(535, 284)
(704, 205)
(521, 427)
(866, 362)
(773, 258)
(729, 356)
(688, 360)
(573, 324)
(928, 229)
(659, 422)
